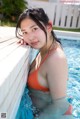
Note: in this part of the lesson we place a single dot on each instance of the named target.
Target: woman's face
(32, 34)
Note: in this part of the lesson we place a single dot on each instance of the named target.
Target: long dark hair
(38, 16)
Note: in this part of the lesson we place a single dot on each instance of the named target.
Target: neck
(47, 47)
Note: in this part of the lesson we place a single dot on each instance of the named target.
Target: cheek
(26, 39)
(41, 36)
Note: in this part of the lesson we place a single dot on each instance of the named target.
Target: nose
(30, 36)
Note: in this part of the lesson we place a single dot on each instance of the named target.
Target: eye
(34, 29)
(24, 33)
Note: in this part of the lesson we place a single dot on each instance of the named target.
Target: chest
(38, 71)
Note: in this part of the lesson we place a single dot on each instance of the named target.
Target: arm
(57, 80)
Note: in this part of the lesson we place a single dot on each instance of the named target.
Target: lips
(34, 43)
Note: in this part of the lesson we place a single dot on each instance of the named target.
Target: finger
(21, 42)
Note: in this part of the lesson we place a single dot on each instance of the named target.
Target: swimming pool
(72, 51)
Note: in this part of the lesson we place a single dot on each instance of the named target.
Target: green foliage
(8, 23)
(12, 8)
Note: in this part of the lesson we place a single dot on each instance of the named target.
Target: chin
(36, 47)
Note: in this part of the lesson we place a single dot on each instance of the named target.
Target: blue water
(72, 51)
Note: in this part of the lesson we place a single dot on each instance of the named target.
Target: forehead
(27, 22)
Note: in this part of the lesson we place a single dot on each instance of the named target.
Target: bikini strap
(47, 55)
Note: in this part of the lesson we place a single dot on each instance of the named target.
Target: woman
(47, 79)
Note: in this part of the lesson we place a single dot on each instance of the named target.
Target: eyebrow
(30, 27)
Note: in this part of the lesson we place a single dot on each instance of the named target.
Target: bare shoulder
(57, 61)
(56, 56)
(57, 73)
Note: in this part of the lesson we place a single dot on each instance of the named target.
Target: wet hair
(39, 16)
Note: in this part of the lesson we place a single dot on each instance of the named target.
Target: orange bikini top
(33, 77)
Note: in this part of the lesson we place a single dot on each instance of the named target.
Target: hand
(22, 42)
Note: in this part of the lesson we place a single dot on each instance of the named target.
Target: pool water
(72, 51)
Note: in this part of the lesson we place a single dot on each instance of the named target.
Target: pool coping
(67, 35)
